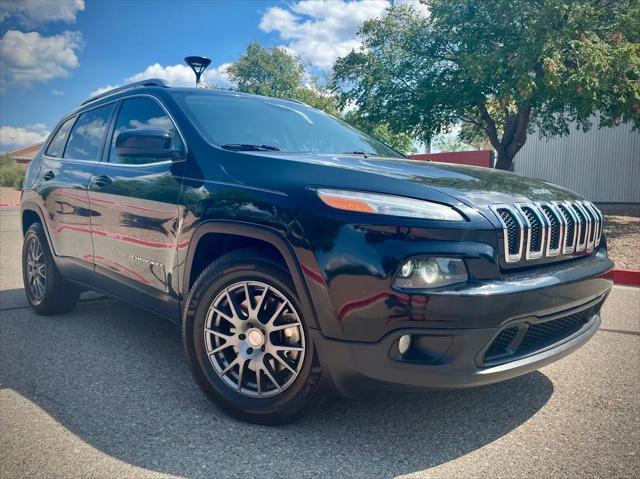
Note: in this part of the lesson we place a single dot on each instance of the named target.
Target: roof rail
(130, 86)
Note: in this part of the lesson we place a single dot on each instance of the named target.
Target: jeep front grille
(547, 229)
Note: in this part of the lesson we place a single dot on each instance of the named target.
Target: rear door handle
(102, 181)
(49, 175)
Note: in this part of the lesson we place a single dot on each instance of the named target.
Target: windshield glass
(240, 122)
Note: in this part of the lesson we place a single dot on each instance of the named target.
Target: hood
(474, 186)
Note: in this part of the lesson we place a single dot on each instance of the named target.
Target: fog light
(404, 344)
(425, 273)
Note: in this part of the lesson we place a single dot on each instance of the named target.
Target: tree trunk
(514, 135)
(427, 146)
(504, 161)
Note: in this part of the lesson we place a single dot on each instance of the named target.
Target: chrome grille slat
(547, 229)
(535, 230)
(593, 217)
(555, 228)
(571, 232)
(583, 227)
(513, 235)
(600, 223)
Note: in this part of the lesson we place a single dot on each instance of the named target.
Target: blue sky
(54, 54)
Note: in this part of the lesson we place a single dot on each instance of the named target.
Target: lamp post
(198, 65)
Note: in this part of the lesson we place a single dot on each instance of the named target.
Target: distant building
(22, 156)
(603, 165)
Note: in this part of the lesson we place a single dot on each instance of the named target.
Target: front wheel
(247, 343)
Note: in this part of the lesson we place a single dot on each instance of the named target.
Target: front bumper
(456, 353)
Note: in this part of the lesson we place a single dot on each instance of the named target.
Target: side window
(142, 113)
(88, 134)
(56, 146)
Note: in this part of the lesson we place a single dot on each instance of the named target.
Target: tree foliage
(450, 142)
(267, 71)
(275, 72)
(400, 141)
(11, 174)
(501, 67)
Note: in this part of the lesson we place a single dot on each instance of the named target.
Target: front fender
(268, 235)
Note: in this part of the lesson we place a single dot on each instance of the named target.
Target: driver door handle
(102, 181)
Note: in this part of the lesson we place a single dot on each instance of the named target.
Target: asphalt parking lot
(105, 392)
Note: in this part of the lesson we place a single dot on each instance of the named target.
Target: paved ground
(105, 392)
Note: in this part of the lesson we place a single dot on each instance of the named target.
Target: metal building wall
(603, 165)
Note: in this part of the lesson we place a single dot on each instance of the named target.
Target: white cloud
(182, 75)
(30, 57)
(34, 12)
(176, 75)
(416, 4)
(57, 92)
(320, 31)
(101, 90)
(12, 137)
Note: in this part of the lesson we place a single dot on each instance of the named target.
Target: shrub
(11, 175)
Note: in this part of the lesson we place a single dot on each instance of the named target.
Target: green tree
(267, 71)
(11, 174)
(275, 72)
(501, 67)
(400, 141)
(450, 142)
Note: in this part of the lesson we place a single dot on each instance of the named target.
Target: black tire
(303, 393)
(57, 294)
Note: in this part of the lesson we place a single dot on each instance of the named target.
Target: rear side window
(56, 147)
(87, 135)
(146, 114)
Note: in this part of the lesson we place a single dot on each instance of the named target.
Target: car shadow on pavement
(115, 376)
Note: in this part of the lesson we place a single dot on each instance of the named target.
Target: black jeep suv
(299, 253)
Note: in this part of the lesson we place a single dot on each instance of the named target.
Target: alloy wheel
(36, 270)
(254, 339)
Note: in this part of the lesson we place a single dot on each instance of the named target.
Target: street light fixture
(198, 65)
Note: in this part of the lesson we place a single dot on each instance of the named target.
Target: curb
(626, 277)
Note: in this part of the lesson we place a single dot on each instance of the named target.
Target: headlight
(387, 205)
(425, 273)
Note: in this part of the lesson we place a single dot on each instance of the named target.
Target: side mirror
(147, 144)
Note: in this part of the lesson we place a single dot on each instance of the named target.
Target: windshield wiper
(363, 153)
(249, 147)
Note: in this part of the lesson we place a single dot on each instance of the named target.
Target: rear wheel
(47, 291)
(247, 342)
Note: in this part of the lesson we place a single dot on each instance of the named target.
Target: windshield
(246, 123)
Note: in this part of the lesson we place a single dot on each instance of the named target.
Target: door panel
(63, 187)
(135, 231)
(64, 180)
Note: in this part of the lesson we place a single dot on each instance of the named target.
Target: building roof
(24, 153)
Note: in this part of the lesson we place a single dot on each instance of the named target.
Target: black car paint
(135, 237)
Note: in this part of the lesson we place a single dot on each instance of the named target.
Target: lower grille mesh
(500, 345)
(536, 336)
